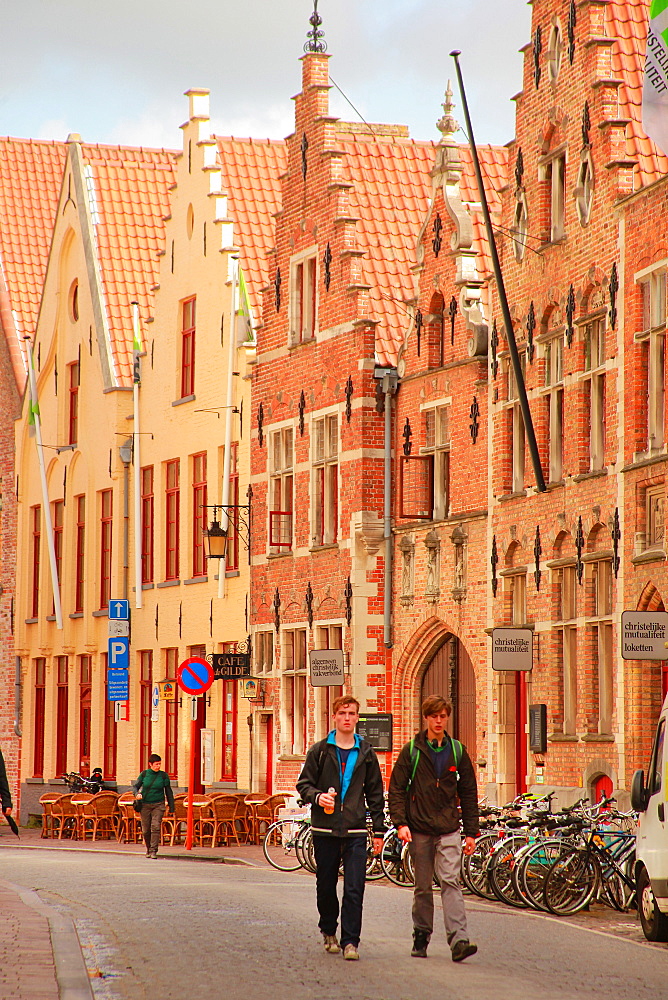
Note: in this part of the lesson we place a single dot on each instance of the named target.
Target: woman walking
(152, 787)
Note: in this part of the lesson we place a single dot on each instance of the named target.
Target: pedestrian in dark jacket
(341, 778)
(153, 787)
(427, 781)
(5, 794)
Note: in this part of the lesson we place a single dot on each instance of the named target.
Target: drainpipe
(389, 385)
(17, 698)
(125, 452)
(227, 456)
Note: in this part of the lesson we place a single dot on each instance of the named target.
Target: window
(106, 513)
(304, 299)
(584, 190)
(199, 516)
(232, 561)
(327, 637)
(58, 517)
(74, 404)
(188, 348)
(85, 677)
(599, 636)
(110, 729)
(601, 574)
(36, 518)
(555, 174)
(516, 428)
(62, 696)
(230, 708)
(517, 585)
(145, 695)
(437, 444)
(38, 717)
(325, 480)
(80, 568)
(172, 510)
(594, 386)
(566, 593)
(171, 716)
(147, 524)
(554, 53)
(264, 652)
(519, 230)
(280, 491)
(294, 690)
(652, 340)
(568, 651)
(655, 524)
(554, 380)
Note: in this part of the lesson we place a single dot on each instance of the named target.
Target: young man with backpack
(341, 778)
(434, 771)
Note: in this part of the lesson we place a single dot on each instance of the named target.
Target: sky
(115, 72)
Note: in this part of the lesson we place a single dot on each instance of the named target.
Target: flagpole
(227, 458)
(501, 289)
(34, 406)
(136, 376)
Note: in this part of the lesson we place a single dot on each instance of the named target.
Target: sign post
(644, 635)
(194, 677)
(512, 649)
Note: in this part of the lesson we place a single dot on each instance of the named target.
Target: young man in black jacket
(430, 775)
(5, 793)
(341, 778)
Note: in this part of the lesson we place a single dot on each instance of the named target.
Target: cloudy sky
(116, 71)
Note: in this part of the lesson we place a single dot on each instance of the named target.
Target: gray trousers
(439, 853)
(151, 821)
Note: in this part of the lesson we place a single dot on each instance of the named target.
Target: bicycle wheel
(532, 868)
(374, 868)
(392, 860)
(304, 849)
(500, 867)
(475, 866)
(571, 882)
(278, 845)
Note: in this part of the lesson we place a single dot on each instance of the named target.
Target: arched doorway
(651, 600)
(450, 672)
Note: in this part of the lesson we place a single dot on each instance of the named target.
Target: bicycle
(588, 872)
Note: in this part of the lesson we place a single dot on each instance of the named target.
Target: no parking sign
(195, 675)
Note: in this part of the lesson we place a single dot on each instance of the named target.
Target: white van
(650, 800)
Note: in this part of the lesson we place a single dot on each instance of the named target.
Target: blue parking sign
(119, 653)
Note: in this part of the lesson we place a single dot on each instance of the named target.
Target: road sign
(195, 675)
(119, 610)
(644, 635)
(155, 704)
(119, 653)
(118, 626)
(118, 685)
(512, 649)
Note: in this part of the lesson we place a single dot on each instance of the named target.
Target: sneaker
(350, 953)
(462, 950)
(153, 856)
(331, 944)
(420, 942)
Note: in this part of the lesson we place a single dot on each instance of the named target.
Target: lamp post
(237, 518)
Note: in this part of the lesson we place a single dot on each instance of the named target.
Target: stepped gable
(626, 22)
(30, 177)
(250, 175)
(131, 200)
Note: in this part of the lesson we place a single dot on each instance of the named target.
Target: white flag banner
(655, 86)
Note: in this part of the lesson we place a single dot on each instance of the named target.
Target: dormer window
(303, 297)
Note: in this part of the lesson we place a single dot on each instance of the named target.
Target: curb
(71, 972)
(210, 858)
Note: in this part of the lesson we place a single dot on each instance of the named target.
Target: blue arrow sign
(118, 685)
(119, 610)
(119, 653)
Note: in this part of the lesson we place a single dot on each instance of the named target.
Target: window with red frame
(199, 513)
(172, 509)
(84, 714)
(62, 696)
(230, 706)
(147, 524)
(80, 568)
(106, 528)
(233, 526)
(171, 716)
(110, 730)
(58, 518)
(145, 692)
(74, 403)
(38, 717)
(36, 518)
(188, 348)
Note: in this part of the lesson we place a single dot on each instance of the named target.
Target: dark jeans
(329, 851)
(151, 820)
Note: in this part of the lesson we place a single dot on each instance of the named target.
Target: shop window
(229, 726)
(325, 443)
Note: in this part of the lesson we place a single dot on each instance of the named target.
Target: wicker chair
(244, 818)
(100, 816)
(129, 827)
(173, 828)
(224, 812)
(49, 826)
(64, 817)
(266, 812)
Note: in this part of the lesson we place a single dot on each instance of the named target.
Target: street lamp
(238, 518)
(216, 539)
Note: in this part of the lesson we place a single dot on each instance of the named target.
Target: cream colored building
(155, 228)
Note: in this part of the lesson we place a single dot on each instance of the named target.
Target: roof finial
(447, 125)
(315, 37)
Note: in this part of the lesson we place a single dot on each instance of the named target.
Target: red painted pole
(191, 784)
